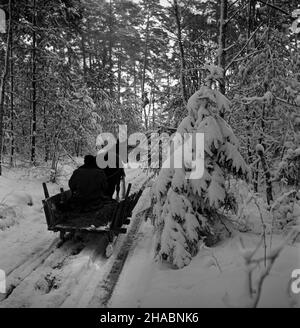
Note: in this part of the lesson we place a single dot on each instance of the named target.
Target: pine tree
(187, 210)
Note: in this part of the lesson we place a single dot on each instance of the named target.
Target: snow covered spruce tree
(188, 211)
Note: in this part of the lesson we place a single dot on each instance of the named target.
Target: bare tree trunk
(12, 116)
(150, 107)
(3, 82)
(34, 94)
(119, 77)
(145, 64)
(250, 24)
(83, 56)
(181, 51)
(249, 31)
(153, 110)
(110, 50)
(268, 180)
(169, 87)
(222, 44)
(90, 50)
(46, 141)
(135, 84)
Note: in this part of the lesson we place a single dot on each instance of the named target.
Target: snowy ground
(77, 275)
(215, 277)
(38, 273)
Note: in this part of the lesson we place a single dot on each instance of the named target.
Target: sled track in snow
(54, 270)
(50, 272)
(52, 257)
(20, 272)
(107, 286)
(98, 287)
(38, 255)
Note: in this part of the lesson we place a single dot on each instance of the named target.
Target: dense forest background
(73, 68)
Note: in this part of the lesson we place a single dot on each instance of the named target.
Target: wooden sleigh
(67, 223)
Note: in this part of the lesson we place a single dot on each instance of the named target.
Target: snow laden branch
(187, 210)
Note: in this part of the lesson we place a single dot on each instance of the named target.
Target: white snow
(28, 234)
(215, 277)
(38, 273)
(70, 276)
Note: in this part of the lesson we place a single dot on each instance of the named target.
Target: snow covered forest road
(78, 275)
(39, 274)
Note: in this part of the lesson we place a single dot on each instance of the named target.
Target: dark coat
(89, 185)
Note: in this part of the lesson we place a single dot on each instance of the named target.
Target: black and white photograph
(149, 156)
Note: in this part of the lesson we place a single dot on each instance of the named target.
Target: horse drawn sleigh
(69, 222)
